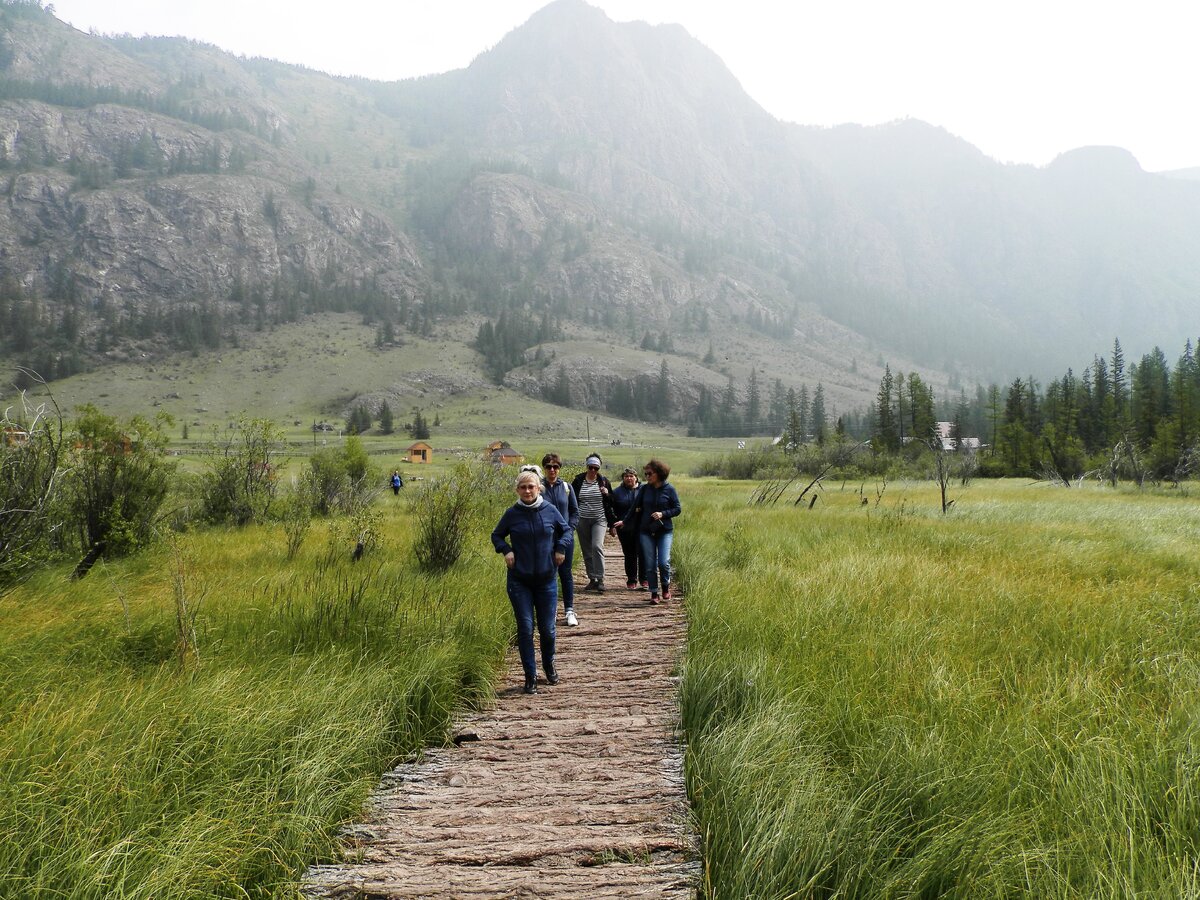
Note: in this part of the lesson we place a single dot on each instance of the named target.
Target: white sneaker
(572, 619)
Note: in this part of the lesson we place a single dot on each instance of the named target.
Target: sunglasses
(552, 466)
(593, 468)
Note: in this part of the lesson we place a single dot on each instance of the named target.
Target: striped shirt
(591, 503)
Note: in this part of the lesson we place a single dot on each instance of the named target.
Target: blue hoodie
(537, 533)
(563, 499)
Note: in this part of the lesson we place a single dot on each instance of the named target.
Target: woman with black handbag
(654, 514)
(624, 496)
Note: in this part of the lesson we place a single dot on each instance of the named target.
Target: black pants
(634, 568)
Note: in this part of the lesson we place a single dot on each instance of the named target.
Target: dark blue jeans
(564, 578)
(656, 557)
(527, 601)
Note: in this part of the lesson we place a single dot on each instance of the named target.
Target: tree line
(1141, 420)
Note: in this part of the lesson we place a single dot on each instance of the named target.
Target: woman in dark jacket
(654, 513)
(623, 496)
(559, 494)
(534, 539)
(593, 493)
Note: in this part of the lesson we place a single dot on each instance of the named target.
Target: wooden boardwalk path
(575, 792)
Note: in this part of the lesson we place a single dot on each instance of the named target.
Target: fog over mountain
(607, 180)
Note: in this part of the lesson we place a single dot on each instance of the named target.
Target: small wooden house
(12, 436)
(506, 456)
(420, 452)
(493, 447)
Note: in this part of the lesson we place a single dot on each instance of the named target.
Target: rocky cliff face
(162, 171)
(177, 235)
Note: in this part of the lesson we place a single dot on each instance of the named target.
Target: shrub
(341, 480)
(29, 472)
(446, 511)
(297, 515)
(118, 481)
(240, 482)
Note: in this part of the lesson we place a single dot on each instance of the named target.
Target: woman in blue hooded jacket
(653, 515)
(534, 539)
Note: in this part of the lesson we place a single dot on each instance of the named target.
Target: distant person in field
(623, 496)
(397, 482)
(593, 492)
(655, 511)
(559, 494)
(535, 540)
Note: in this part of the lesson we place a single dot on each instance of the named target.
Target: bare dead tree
(769, 492)
(941, 472)
(1126, 458)
(1186, 465)
(31, 453)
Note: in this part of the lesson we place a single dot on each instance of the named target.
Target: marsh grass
(881, 701)
(132, 768)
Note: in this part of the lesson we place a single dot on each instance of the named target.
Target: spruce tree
(820, 426)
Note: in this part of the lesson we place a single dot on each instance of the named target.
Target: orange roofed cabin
(420, 452)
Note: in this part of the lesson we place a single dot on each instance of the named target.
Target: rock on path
(575, 792)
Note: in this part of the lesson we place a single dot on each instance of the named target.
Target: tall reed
(154, 747)
(881, 701)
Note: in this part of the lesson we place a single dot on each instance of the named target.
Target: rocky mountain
(610, 181)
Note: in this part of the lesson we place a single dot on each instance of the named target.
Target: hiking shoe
(654, 598)
(631, 585)
(645, 586)
(666, 594)
(599, 587)
(552, 675)
(572, 619)
(530, 686)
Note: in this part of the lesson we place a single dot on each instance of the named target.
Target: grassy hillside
(311, 371)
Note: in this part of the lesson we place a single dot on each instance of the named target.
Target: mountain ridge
(614, 175)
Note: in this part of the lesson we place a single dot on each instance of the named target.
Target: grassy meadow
(879, 701)
(196, 721)
(884, 702)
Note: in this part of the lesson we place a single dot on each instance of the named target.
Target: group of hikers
(537, 537)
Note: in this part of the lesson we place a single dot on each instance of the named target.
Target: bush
(240, 483)
(450, 508)
(118, 481)
(341, 480)
(29, 471)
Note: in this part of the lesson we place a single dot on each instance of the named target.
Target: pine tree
(818, 416)
(887, 433)
(793, 434)
(802, 411)
(386, 419)
(419, 429)
(662, 391)
(753, 403)
(1120, 389)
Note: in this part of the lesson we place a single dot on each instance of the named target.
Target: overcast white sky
(1023, 80)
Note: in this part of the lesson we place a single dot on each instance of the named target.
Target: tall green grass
(881, 701)
(132, 766)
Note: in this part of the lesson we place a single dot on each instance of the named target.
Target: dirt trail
(575, 792)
